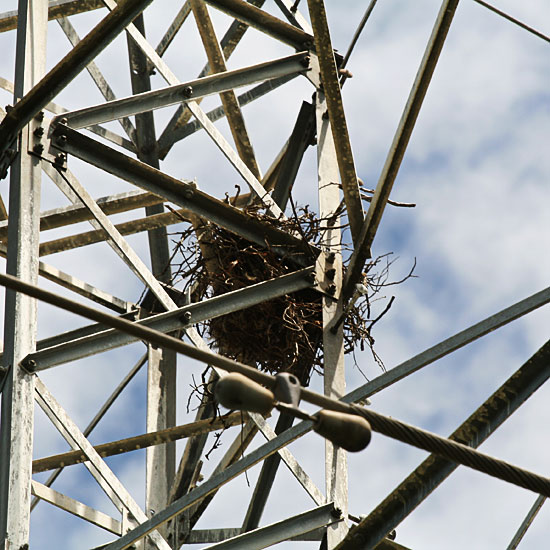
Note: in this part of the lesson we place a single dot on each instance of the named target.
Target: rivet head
(188, 193)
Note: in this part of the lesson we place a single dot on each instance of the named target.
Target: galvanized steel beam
(137, 442)
(334, 109)
(101, 221)
(148, 223)
(56, 10)
(79, 509)
(79, 287)
(265, 22)
(184, 92)
(330, 261)
(67, 215)
(172, 134)
(526, 523)
(281, 531)
(184, 194)
(20, 311)
(104, 340)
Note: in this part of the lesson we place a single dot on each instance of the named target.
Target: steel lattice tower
(44, 144)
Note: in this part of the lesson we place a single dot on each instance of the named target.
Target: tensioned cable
(451, 450)
(513, 20)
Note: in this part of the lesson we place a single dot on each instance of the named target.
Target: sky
(477, 169)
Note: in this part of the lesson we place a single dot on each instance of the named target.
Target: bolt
(392, 534)
(28, 364)
(60, 158)
(336, 513)
(308, 45)
(39, 132)
(331, 290)
(331, 257)
(39, 116)
(188, 193)
(325, 115)
(62, 139)
(187, 91)
(63, 120)
(310, 277)
(187, 316)
(305, 61)
(330, 273)
(38, 148)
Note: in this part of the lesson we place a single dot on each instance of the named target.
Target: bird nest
(283, 334)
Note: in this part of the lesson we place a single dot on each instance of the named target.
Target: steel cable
(455, 452)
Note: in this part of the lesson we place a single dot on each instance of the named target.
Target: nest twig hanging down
(280, 335)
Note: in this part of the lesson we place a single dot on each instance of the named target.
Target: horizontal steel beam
(154, 221)
(67, 215)
(187, 91)
(139, 442)
(176, 133)
(209, 536)
(282, 530)
(184, 194)
(79, 287)
(63, 73)
(95, 517)
(174, 320)
(56, 10)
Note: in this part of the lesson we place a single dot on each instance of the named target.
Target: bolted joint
(39, 131)
(330, 273)
(331, 290)
(331, 256)
(187, 91)
(39, 116)
(38, 148)
(186, 317)
(28, 364)
(188, 193)
(305, 61)
(60, 159)
(62, 139)
(336, 513)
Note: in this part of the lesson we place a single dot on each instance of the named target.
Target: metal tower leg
(161, 368)
(20, 312)
(336, 473)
